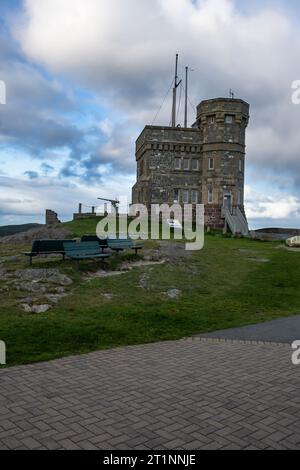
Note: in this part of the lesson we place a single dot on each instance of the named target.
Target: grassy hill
(231, 282)
(6, 230)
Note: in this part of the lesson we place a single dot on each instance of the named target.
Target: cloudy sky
(84, 76)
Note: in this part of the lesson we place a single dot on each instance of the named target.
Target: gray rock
(52, 276)
(40, 308)
(54, 298)
(27, 308)
(59, 290)
(36, 308)
(154, 256)
(174, 293)
(35, 287)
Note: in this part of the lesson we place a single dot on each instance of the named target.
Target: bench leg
(30, 260)
(64, 257)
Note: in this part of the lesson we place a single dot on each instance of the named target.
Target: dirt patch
(125, 268)
(173, 252)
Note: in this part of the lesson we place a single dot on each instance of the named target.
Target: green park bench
(93, 238)
(84, 251)
(47, 247)
(118, 245)
(123, 244)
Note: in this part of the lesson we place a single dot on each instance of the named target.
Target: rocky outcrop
(40, 233)
(50, 276)
(41, 285)
(174, 293)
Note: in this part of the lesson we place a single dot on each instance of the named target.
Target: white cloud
(23, 199)
(275, 206)
(124, 50)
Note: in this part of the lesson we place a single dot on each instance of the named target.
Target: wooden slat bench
(47, 247)
(93, 238)
(123, 244)
(84, 251)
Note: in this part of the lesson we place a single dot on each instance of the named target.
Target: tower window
(211, 163)
(185, 196)
(186, 164)
(194, 196)
(240, 165)
(229, 119)
(211, 119)
(176, 195)
(195, 165)
(210, 196)
(177, 164)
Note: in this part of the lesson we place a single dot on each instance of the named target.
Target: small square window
(211, 163)
(177, 163)
(186, 164)
(195, 165)
(185, 196)
(229, 119)
(194, 196)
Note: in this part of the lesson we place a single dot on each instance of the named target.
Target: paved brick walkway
(284, 330)
(178, 395)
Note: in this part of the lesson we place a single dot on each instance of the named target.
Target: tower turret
(222, 123)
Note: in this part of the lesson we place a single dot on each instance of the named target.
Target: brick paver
(191, 394)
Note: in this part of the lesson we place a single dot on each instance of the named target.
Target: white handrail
(237, 222)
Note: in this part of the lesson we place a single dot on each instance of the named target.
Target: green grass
(224, 285)
(82, 227)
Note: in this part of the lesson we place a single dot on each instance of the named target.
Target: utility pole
(186, 97)
(176, 85)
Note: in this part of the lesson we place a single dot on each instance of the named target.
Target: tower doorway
(227, 201)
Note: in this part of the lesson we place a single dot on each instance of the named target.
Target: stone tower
(222, 123)
(204, 164)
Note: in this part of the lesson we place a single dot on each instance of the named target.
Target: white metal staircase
(236, 221)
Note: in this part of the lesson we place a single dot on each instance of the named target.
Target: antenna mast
(175, 93)
(186, 97)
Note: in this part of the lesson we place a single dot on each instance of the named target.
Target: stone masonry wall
(217, 144)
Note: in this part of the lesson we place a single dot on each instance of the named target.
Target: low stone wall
(274, 234)
(84, 216)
